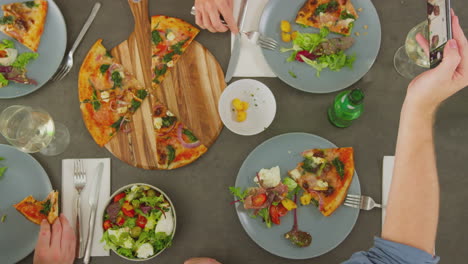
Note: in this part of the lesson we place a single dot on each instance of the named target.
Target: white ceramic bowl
(156, 189)
(262, 107)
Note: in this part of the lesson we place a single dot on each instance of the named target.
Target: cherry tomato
(107, 224)
(274, 215)
(127, 209)
(259, 199)
(282, 211)
(118, 197)
(141, 221)
(120, 221)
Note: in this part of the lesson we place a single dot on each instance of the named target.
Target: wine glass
(32, 130)
(410, 60)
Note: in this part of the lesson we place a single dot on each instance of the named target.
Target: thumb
(451, 58)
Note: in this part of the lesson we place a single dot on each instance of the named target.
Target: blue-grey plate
(24, 177)
(51, 51)
(366, 48)
(327, 232)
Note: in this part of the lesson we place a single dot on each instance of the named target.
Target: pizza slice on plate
(336, 15)
(35, 211)
(176, 145)
(326, 175)
(25, 22)
(170, 38)
(109, 95)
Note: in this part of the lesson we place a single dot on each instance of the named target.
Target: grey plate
(327, 232)
(366, 48)
(24, 177)
(51, 51)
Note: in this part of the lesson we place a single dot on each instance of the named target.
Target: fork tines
(353, 200)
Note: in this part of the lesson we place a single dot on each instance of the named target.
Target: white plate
(262, 107)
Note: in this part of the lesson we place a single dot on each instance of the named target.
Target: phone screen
(440, 28)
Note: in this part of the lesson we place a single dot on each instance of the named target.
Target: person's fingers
(206, 21)
(68, 238)
(199, 20)
(201, 261)
(227, 12)
(462, 42)
(43, 241)
(451, 59)
(423, 43)
(216, 20)
(56, 234)
(452, 12)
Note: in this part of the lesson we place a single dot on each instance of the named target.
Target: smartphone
(440, 29)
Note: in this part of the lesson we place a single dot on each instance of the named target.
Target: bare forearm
(413, 207)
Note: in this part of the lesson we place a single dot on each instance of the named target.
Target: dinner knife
(93, 202)
(237, 42)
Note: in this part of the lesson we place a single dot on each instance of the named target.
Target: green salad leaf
(130, 222)
(265, 214)
(334, 62)
(290, 183)
(125, 252)
(306, 41)
(152, 201)
(237, 191)
(7, 44)
(2, 171)
(24, 59)
(3, 81)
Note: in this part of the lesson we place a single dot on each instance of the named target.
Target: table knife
(93, 203)
(237, 42)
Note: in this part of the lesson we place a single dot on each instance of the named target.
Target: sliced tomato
(141, 221)
(259, 199)
(282, 211)
(120, 221)
(127, 209)
(107, 224)
(274, 215)
(119, 197)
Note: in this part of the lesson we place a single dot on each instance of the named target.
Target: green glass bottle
(347, 107)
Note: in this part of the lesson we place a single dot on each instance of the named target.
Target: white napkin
(251, 61)
(387, 175)
(69, 196)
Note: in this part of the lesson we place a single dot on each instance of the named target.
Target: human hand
(208, 15)
(431, 88)
(58, 246)
(201, 261)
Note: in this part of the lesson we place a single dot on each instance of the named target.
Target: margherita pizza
(35, 211)
(109, 95)
(25, 22)
(176, 145)
(336, 15)
(170, 38)
(326, 174)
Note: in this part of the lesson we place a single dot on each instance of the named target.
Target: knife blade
(235, 54)
(93, 201)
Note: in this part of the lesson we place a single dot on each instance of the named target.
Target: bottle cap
(356, 96)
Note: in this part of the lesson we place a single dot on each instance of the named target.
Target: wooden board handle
(140, 13)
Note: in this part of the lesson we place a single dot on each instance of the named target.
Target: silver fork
(67, 63)
(361, 202)
(260, 40)
(79, 181)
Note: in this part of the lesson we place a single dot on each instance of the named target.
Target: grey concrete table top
(207, 224)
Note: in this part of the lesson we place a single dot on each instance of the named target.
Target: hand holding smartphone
(440, 29)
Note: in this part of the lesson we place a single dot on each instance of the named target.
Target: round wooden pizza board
(191, 91)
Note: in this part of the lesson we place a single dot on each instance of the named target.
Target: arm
(413, 207)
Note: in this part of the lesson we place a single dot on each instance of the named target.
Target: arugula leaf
(339, 165)
(265, 214)
(4, 218)
(95, 101)
(3, 81)
(7, 20)
(46, 208)
(7, 44)
(159, 72)
(104, 68)
(142, 93)
(2, 158)
(168, 57)
(135, 104)
(345, 15)
(23, 59)
(237, 192)
(108, 54)
(170, 154)
(30, 4)
(116, 125)
(190, 135)
(309, 165)
(117, 79)
(323, 8)
(292, 74)
(167, 121)
(156, 37)
(2, 171)
(177, 48)
(315, 202)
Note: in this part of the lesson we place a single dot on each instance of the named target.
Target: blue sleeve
(387, 252)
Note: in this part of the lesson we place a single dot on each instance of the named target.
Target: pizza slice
(109, 95)
(35, 211)
(326, 175)
(25, 22)
(176, 145)
(337, 15)
(170, 38)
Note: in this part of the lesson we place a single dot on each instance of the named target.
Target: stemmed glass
(33, 130)
(410, 60)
